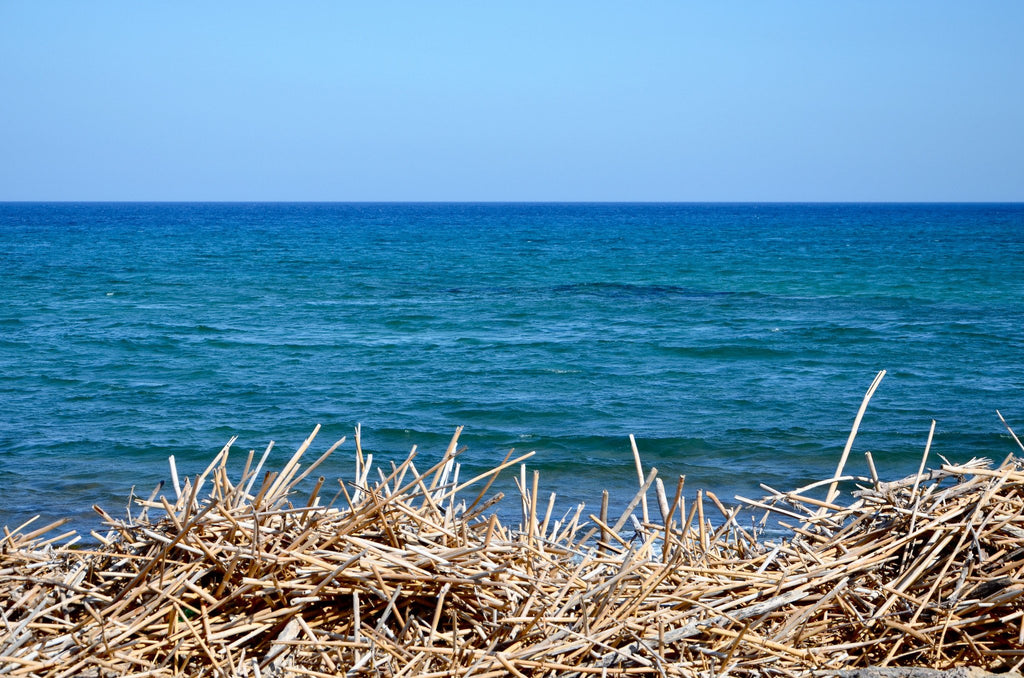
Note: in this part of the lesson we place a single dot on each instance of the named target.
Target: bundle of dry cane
(401, 576)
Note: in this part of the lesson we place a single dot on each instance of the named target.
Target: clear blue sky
(716, 101)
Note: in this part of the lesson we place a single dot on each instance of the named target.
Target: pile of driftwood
(408, 572)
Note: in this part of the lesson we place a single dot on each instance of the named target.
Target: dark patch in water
(631, 290)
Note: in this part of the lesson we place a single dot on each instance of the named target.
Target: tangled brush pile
(402, 576)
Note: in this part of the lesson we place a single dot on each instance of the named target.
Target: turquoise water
(734, 341)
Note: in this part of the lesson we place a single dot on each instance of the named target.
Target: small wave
(634, 290)
(728, 352)
(250, 342)
(210, 329)
(491, 290)
(59, 380)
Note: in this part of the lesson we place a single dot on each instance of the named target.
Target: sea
(734, 341)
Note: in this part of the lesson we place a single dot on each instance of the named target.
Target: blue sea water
(735, 341)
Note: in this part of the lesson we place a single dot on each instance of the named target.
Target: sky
(512, 101)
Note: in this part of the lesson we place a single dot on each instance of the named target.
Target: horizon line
(511, 202)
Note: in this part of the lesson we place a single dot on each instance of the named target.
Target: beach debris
(411, 573)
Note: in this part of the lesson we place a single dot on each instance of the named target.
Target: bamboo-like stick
(640, 477)
(832, 488)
